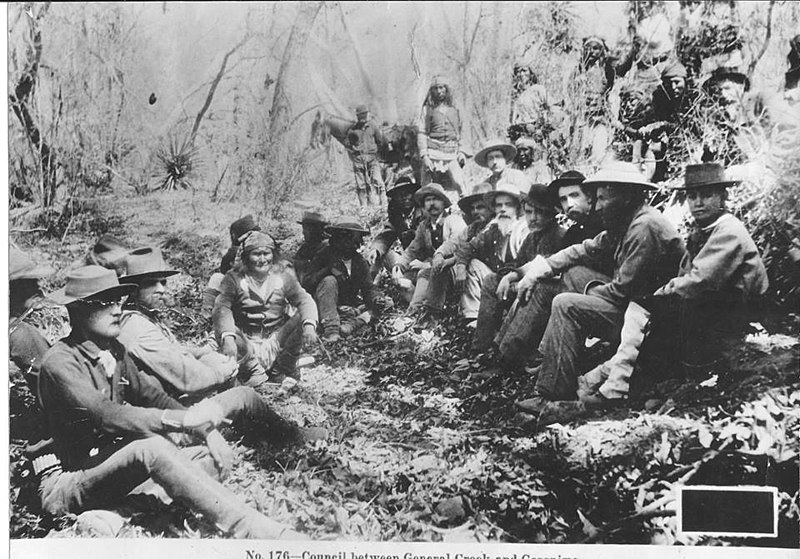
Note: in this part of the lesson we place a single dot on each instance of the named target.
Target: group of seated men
(125, 401)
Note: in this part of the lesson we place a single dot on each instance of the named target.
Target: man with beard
(495, 247)
(531, 159)
(403, 217)
(364, 139)
(645, 248)
(499, 288)
(429, 289)
(114, 427)
(497, 157)
(340, 280)
(187, 372)
(314, 241)
(439, 140)
(528, 318)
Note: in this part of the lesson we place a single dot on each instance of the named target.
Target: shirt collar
(90, 350)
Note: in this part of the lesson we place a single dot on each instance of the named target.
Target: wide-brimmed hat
(619, 173)
(724, 73)
(21, 266)
(704, 174)
(91, 282)
(509, 152)
(146, 262)
(513, 190)
(478, 192)
(244, 225)
(348, 223)
(313, 218)
(539, 196)
(567, 178)
(402, 184)
(108, 252)
(432, 189)
(361, 109)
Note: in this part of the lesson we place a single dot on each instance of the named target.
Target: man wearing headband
(250, 314)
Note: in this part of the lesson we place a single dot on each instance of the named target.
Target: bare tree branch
(757, 58)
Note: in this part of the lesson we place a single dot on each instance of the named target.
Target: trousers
(477, 272)
(278, 352)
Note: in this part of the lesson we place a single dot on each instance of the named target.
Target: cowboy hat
(619, 172)
(724, 73)
(478, 193)
(403, 183)
(90, 283)
(509, 152)
(146, 262)
(21, 266)
(432, 189)
(513, 190)
(348, 223)
(539, 196)
(313, 218)
(704, 174)
(567, 178)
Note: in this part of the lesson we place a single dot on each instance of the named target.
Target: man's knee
(327, 286)
(151, 450)
(490, 283)
(565, 304)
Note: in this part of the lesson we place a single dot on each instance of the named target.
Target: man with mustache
(438, 227)
(496, 246)
(115, 428)
(524, 327)
(645, 248)
(498, 157)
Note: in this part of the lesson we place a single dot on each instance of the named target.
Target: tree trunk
(281, 113)
(19, 100)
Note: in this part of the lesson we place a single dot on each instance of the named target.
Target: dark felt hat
(722, 74)
(144, 263)
(313, 218)
(478, 192)
(567, 178)
(509, 152)
(704, 174)
(89, 283)
(361, 109)
(539, 196)
(244, 225)
(348, 223)
(432, 189)
(402, 184)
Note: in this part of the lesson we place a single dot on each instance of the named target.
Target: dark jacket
(304, 256)
(544, 243)
(357, 283)
(402, 226)
(364, 139)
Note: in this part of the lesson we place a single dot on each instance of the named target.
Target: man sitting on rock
(113, 425)
(720, 283)
(429, 289)
(340, 280)
(500, 288)
(495, 247)
(314, 240)
(645, 248)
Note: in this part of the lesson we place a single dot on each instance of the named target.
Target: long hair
(448, 97)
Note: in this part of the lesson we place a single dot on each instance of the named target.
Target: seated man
(339, 278)
(523, 328)
(500, 287)
(251, 314)
(26, 344)
(495, 247)
(497, 157)
(238, 229)
(313, 242)
(531, 159)
(438, 227)
(645, 248)
(189, 371)
(403, 217)
(110, 422)
(720, 282)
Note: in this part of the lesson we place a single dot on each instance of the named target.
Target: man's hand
(372, 256)
(309, 335)
(461, 158)
(437, 263)
(228, 348)
(460, 278)
(504, 287)
(664, 290)
(397, 274)
(427, 162)
(204, 413)
(220, 451)
(419, 265)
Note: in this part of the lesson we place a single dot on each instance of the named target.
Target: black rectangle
(739, 511)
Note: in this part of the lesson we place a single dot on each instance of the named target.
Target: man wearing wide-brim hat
(363, 141)
(497, 156)
(645, 250)
(403, 216)
(110, 422)
(341, 283)
(424, 289)
(720, 282)
(314, 240)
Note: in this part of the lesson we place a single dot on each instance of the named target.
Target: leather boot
(620, 366)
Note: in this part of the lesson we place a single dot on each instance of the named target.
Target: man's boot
(251, 371)
(620, 366)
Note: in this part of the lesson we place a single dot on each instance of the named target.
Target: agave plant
(178, 161)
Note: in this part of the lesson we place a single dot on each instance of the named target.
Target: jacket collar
(91, 350)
